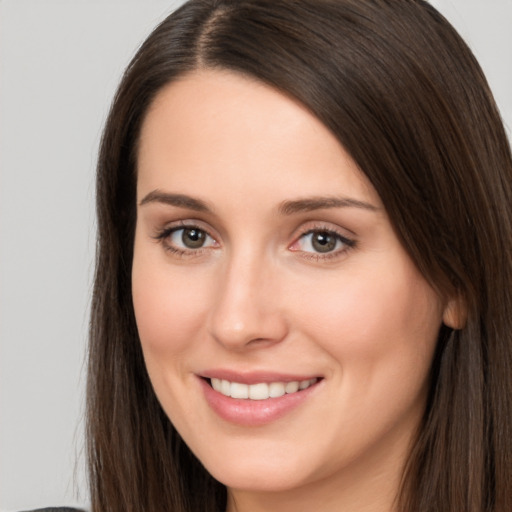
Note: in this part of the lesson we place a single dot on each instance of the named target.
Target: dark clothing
(56, 509)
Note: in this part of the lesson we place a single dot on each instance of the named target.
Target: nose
(247, 312)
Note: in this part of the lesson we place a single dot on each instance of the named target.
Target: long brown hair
(406, 98)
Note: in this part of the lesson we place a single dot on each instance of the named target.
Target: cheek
(169, 305)
(381, 327)
(390, 297)
(380, 332)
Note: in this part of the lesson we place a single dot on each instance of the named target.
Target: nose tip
(247, 313)
(239, 335)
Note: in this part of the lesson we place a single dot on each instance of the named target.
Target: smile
(255, 403)
(259, 391)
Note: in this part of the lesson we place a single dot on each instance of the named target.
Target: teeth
(238, 390)
(217, 385)
(276, 389)
(292, 387)
(306, 383)
(225, 387)
(260, 391)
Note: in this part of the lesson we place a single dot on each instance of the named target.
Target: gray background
(60, 62)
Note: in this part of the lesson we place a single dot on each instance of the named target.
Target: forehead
(218, 127)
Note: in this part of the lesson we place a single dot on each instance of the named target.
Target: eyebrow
(178, 200)
(319, 203)
(286, 208)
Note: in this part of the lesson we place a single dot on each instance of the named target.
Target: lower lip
(252, 413)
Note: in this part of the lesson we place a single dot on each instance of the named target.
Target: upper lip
(255, 377)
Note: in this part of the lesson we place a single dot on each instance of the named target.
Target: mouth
(261, 390)
(261, 399)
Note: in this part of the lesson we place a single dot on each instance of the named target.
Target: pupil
(193, 238)
(323, 241)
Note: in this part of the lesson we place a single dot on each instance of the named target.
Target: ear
(455, 313)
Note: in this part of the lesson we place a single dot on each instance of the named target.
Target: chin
(259, 478)
(262, 468)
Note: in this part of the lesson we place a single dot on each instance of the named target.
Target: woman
(302, 290)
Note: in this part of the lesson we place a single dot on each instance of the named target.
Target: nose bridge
(245, 308)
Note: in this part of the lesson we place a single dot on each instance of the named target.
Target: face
(286, 332)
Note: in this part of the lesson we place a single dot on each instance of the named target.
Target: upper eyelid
(326, 230)
(345, 239)
(188, 223)
(312, 226)
(170, 230)
(349, 242)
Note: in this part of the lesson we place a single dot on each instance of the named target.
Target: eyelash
(163, 238)
(347, 243)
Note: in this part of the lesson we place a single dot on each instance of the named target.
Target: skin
(258, 296)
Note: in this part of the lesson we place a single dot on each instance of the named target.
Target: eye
(190, 238)
(185, 240)
(322, 241)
